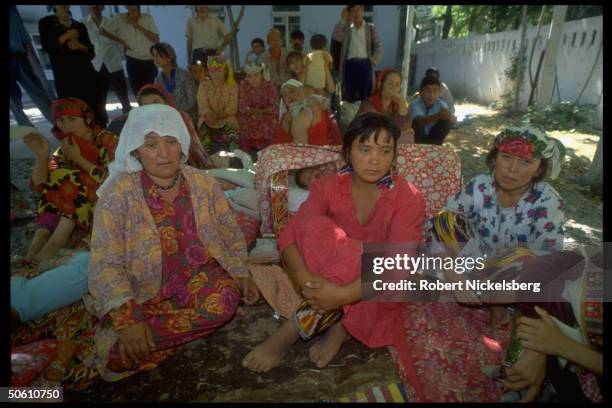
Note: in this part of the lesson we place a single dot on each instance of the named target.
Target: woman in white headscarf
(257, 108)
(168, 260)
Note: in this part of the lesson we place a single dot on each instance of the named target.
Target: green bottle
(515, 349)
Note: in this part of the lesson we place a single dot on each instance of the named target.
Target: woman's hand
(541, 335)
(70, 149)
(250, 293)
(135, 342)
(324, 296)
(464, 296)
(528, 372)
(38, 144)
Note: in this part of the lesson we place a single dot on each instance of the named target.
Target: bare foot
(269, 354)
(325, 349)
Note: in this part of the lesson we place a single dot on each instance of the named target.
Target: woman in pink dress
(322, 246)
(257, 108)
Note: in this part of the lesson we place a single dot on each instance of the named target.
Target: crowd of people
(165, 259)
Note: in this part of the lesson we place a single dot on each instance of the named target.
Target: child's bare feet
(325, 349)
(269, 354)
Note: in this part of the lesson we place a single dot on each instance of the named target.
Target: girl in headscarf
(168, 260)
(257, 108)
(218, 106)
(387, 99)
(68, 182)
(506, 216)
(175, 80)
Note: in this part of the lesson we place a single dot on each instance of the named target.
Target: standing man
(296, 38)
(108, 61)
(206, 35)
(22, 60)
(276, 58)
(257, 49)
(137, 33)
(361, 52)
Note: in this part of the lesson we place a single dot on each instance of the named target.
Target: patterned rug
(387, 393)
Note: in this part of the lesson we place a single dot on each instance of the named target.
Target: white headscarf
(252, 67)
(161, 119)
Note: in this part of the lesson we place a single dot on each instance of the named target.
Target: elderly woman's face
(289, 94)
(391, 85)
(160, 155)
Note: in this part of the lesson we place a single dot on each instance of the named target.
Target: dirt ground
(209, 369)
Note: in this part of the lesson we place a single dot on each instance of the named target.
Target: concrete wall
(474, 67)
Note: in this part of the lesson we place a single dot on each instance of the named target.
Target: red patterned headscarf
(72, 107)
(161, 90)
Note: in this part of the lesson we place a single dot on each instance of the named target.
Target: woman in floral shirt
(168, 260)
(506, 216)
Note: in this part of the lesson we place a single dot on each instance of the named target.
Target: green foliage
(560, 116)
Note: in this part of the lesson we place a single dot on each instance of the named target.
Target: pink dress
(397, 216)
(256, 132)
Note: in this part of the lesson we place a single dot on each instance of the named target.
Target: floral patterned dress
(71, 191)
(445, 344)
(256, 132)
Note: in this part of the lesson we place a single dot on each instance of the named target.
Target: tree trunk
(234, 24)
(399, 51)
(594, 175)
(545, 88)
(519, 68)
(448, 21)
(533, 47)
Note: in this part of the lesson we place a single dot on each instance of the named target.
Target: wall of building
(474, 67)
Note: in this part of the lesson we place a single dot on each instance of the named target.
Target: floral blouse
(218, 101)
(536, 222)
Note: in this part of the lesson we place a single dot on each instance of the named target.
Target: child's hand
(323, 295)
(250, 293)
(541, 335)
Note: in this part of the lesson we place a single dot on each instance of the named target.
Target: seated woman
(307, 120)
(218, 105)
(507, 215)
(68, 182)
(176, 81)
(388, 100)
(167, 257)
(155, 93)
(321, 247)
(257, 108)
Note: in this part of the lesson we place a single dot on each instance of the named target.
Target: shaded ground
(209, 369)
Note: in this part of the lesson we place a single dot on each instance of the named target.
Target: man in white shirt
(360, 53)
(137, 33)
(108, 61)
(206, 35)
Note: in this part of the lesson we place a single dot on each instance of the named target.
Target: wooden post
(407, 49)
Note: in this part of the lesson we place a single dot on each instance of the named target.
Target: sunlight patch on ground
(570, 223)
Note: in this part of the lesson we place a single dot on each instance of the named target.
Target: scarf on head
(161, 119)
(253, 67)
(530, 143)
(76, 107)
(218, 63)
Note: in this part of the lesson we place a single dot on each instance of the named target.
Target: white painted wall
(386, 20)
(474, 67)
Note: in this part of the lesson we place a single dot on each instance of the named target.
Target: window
(286, 18)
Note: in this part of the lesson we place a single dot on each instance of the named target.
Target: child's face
(307, 176)
(295, 65)
(372, 161)
(257, 48)
(199, 72)
(430, 93)
(255, 78)
(297, 43)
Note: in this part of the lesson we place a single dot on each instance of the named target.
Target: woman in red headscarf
(387, 99)
(68, 182)
(155, 93)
